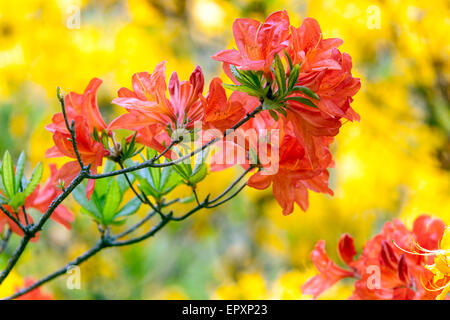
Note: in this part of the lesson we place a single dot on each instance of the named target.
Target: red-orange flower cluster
(384, 270)
(306, 131)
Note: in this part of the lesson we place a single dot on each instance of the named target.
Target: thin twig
(135, 226)
(25, 216)
(232, 185)
(15, 220)
(71, 129)
(147, 235)
(15, 257)
(5, 240)
(142, 197)
(130, 184)
(141, 222)
(210, 206)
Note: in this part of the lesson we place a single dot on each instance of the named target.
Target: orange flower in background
(40, 199)
(36, 294)
(83, 110)
(257, 43)
(383, 270)
(5, 220)
(330, 273)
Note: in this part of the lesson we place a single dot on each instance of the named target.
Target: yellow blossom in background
(249, 286)
(441, 266)
(11, 284)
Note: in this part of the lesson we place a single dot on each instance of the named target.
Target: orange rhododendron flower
(289, 172)
(257, 43)
(295, 175)
(222, 113)
(82, 109)
(148, 105)
(383, 270)
(326, 71)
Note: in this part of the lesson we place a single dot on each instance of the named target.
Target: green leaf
(155, 175)
(270, 104)
(235, 72)
(183, 169)
(151, 153)
(199, 174)
(169, 180)
(137, 152)
(8, 174)
(101, 185)
(307, 91)
(303, 101)
(123, 183)
(91, 214)
(282, 111)
(247, 78)
(252, 155)
(17, 200)
(145, 187)
(293, 77)
(19, 171)
(288, 57)
(36, 177)
(242, 88)
(79, 194)
(130, 208)
(280, 75)
(274, 115)
(112, 202)
(128, 149)
(95, 135)
(252, 77)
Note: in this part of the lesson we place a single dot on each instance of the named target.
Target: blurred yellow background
(394, 163)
